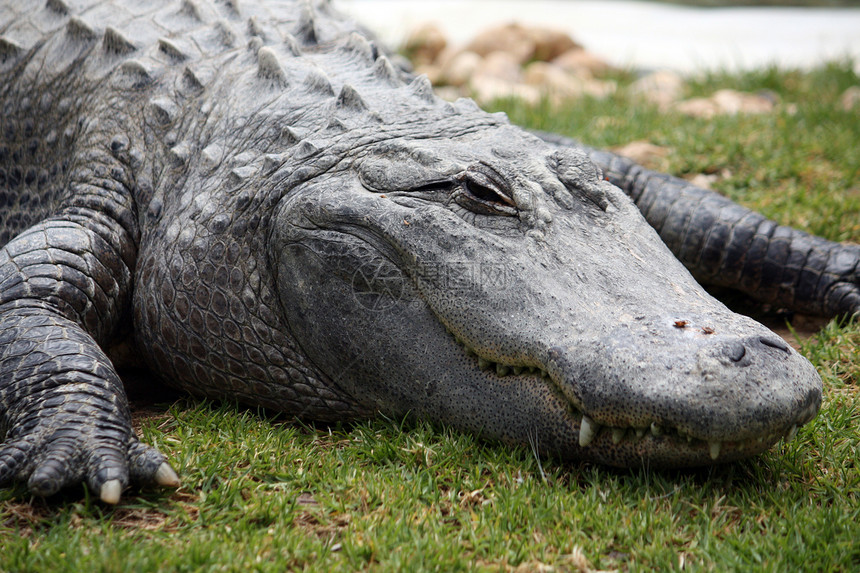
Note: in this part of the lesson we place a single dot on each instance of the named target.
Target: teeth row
(589, 429)
(504, 369)
(498, 367)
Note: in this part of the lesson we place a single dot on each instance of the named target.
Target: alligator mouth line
(589, 429)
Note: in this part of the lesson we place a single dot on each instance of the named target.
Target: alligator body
(279, 214)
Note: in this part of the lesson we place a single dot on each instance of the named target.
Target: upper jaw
(690, 399)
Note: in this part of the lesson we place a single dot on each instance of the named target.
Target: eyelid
(483, 179)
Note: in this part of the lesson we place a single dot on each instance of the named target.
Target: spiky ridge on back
(231, 85)
(198, 118)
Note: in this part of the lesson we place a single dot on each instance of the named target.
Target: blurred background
(681, 36)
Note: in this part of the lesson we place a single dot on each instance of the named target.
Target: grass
(265, 494)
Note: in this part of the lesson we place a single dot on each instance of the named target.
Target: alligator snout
(714, 379)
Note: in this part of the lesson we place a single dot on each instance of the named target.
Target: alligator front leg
(64, 284)
(727, 245)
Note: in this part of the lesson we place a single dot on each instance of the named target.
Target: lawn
(264, 493)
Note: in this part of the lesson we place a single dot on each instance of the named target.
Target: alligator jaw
(648, 442)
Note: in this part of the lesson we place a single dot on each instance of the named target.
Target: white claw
(617, 435)
(110, 491)
(715, 449)
(166, 476)
(588, 428)
(791, 433)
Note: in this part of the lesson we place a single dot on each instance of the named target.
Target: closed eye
(485, 193)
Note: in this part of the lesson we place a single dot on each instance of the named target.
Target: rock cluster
(533, 63)
(509, 61)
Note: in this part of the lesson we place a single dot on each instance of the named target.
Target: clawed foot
(50, 459)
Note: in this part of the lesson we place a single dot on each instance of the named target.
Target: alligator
(275, 211)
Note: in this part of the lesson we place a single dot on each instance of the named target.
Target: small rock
(662, 88)
(734, 102)
(582, 63)
(562, 86)
(704, 180)
(550, 76)
(850, 98)
(499, 65)
(550, 44)
(728, 102)
(509, 39)
(424, 44)
(488, 89)
(458, 70)
(523, 43)
(702, 107)
(642, 152)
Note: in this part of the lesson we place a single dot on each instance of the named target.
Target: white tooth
(588, 428)
(715, 449)
(501, 369)
(518, 370)
(640, 433)
(791, 433)
(483, 363)
(655, 429)
(617, 435)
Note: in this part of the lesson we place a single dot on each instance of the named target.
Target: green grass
(262, 493)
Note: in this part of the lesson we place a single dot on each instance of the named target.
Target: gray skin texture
(280, 215)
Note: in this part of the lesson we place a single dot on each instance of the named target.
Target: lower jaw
(669, 450)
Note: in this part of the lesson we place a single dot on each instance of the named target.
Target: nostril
(735, 351)
(774, 343)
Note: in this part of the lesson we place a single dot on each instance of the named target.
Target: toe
(53, 469)
(108, 473)
(13, 459)
(148, 465)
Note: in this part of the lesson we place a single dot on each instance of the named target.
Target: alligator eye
(481, 194)
(485, 193)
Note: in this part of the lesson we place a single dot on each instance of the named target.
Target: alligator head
(472, 275)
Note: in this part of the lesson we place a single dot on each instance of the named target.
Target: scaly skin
(727, 245)
(288, 219)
